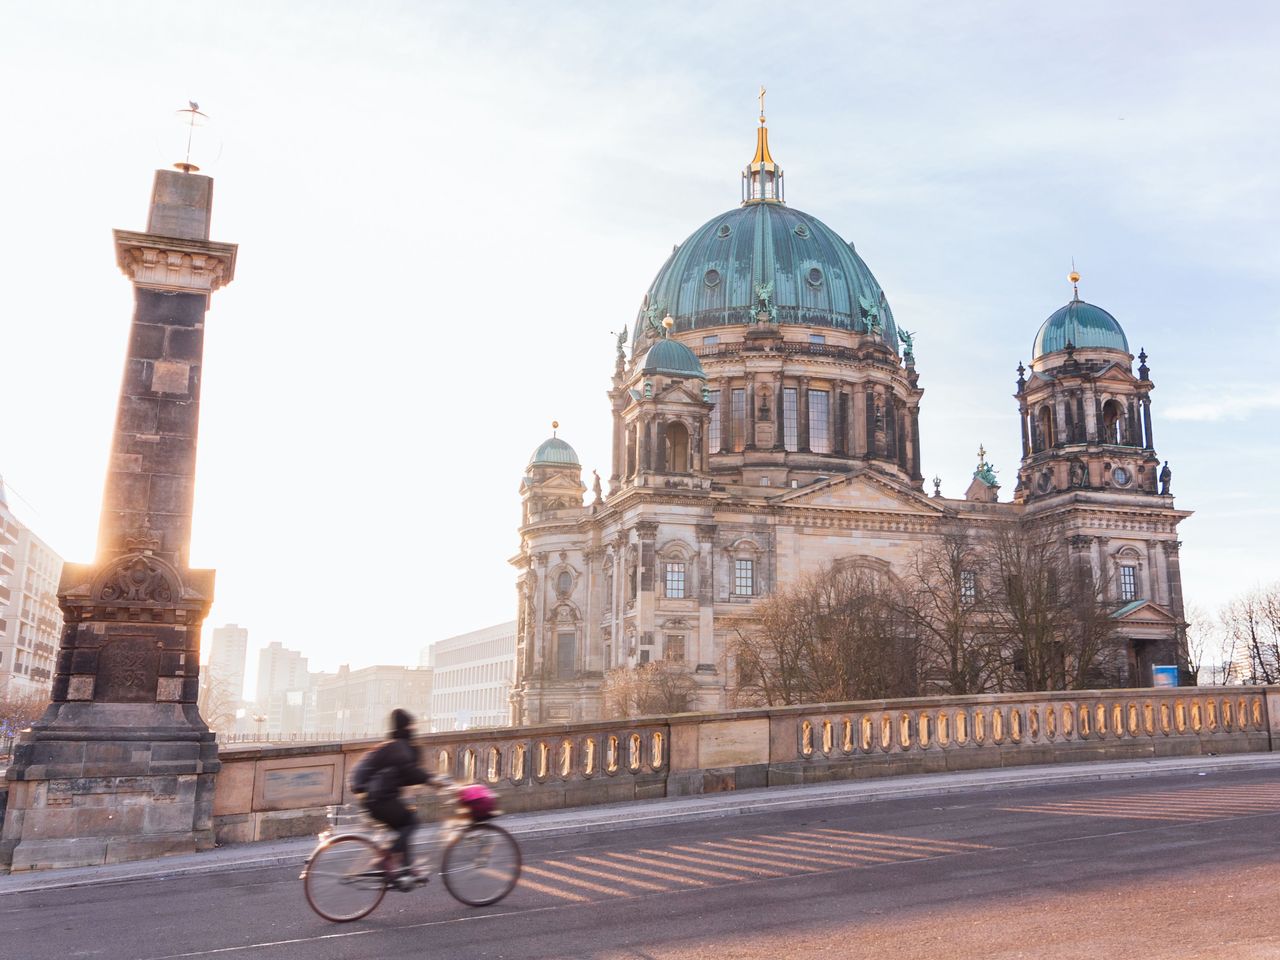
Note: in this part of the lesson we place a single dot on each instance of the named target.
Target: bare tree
(17, 712)
(1050, 613)
(945, 585)
(834, 635)
(658, 688)
(1209, 651)
(1251, 624)
(218, 704)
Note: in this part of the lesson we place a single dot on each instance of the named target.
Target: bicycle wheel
(481, 865)
(344, 879)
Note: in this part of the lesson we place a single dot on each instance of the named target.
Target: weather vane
(192, 117)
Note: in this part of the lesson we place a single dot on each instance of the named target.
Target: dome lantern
(762, 178)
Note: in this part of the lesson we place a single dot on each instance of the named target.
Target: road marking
(574, 881)
(526, 884)
(1178, 806)
(600, 874)
(685, 865)
(892, 840)
(613, 864)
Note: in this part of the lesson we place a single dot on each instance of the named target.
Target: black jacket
(385, 770)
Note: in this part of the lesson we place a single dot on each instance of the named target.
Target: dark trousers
(399, 818)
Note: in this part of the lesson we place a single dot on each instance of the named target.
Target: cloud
(1240, 405)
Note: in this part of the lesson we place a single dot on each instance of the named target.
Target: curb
(637, 815)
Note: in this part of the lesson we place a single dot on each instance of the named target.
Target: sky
(444, 209)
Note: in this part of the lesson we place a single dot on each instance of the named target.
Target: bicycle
(344, 878)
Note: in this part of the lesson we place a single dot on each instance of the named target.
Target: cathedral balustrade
(265, 793)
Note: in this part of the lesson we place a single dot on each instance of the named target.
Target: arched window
(677, 447)
(1112, 422)
(1046, 426)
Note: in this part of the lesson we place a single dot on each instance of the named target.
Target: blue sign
(1164, 676)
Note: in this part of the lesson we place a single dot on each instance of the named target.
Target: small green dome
(673, 358)
(554, 452)
(810, 274)
(1082, 325)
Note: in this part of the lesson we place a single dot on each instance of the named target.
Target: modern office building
(471, 683)
(355, 704)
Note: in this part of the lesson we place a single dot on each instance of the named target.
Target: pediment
(863, 492)
(1144, 612)
(680, 392)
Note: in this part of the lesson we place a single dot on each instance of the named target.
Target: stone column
(802, 415)
(750, 438)
(619, 449)
(871, 451)
(916, 473)
(122, 750)
(1146, 422)
(704, 656)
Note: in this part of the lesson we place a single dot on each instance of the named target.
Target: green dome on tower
(1081, 324)
(554, 452)
(674, 359)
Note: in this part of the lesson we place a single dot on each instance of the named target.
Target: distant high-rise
(30, 621)
(283, 687)
(228, 653)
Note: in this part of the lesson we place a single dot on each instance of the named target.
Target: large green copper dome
(1083, 326)
(808, 274)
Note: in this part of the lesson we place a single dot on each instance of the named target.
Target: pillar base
(98, 783)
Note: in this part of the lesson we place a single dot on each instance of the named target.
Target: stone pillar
(751, 412)
(619, 449)
(916, 473)
(802, 415)
(121, 766)
(1150, 443)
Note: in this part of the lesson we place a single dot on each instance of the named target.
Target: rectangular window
(675, 647)
(738, 418)
(565, 655)
(819, 419)
(675, 580)
(644, 654)
(608, 655)
(711, 340)
(968, 587)
(789, 419)
(1128, 583)
(744, 578)
(713, 426)
(817, 338)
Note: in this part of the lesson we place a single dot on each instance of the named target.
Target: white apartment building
(471, 678)
(228, 654)
(30, 621)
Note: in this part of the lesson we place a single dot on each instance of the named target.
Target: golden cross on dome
(982, 454)
(761, 98)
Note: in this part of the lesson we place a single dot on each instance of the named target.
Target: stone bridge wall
(287, 791)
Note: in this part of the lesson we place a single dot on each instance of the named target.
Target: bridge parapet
(291, 791)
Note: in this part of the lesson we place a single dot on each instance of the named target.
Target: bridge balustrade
(277, 791)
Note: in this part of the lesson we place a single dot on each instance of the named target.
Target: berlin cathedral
(766, 421)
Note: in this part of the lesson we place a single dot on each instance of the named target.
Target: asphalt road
(1181, 866)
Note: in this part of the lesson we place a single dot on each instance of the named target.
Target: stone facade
(769, 425)
(121, 765)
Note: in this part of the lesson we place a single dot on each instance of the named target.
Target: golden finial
(982, 454)
(761, 98)
(555, 425)
(668, 322)
(1074, 277)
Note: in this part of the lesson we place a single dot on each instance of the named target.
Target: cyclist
(378, 778)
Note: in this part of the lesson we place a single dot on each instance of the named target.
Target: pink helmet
(478, 800)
